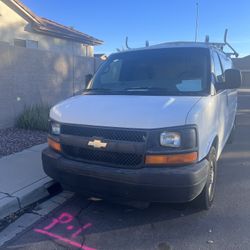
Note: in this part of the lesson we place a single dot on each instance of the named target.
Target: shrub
(34, 118)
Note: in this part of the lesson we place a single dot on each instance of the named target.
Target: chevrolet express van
(150, 125)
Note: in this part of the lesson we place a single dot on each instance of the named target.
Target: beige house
(19, 26)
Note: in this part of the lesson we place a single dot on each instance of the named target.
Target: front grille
(115, 159)
(105, 133)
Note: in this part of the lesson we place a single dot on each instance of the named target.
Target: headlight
(170, 139)
(55, 128)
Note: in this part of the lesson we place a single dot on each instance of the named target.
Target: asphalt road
(101, 225)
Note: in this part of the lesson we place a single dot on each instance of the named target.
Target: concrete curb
(8, 205)
(27, 219)
(25, 197)
(34, 192)
(23, 181)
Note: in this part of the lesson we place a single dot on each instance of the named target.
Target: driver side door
(222, 101)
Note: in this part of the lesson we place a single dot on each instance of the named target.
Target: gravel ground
(14, 140)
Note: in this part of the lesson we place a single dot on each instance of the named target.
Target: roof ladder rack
(222, 45)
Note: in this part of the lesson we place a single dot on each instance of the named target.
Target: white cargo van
(150, 126)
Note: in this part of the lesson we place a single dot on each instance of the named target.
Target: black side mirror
(88, 78)
(232, 79)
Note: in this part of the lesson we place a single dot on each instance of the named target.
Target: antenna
(196, 21)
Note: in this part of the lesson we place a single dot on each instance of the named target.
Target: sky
(153, 20)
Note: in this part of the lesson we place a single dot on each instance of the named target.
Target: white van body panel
(204, 115)
(232, 104)
(125, 111)
(214, 116)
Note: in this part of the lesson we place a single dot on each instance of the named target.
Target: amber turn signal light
(171, 159)
(54, 145)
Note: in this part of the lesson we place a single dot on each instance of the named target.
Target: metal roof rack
(217, 45)
(221, 46)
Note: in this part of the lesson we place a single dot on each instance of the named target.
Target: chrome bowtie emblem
(97, 144)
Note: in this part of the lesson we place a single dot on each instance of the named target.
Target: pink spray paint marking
(62, 219)
(74, 235)
(65, 218)
(58, 237)
(70, 227)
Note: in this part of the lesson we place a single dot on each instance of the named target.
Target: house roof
(49, 27)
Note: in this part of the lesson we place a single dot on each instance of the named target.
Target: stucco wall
(245, 79)
(14, 26)
(31, 76)
(243, 64)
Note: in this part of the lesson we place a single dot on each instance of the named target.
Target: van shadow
(97, 218)
(106, 217)
(117, 216)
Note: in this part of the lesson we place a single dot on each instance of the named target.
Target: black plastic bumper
(159, 184)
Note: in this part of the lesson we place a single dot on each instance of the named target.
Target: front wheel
(206, 198)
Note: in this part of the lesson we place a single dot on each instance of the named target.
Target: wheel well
(215, 143)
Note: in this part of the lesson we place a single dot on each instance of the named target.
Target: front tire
(205, 200)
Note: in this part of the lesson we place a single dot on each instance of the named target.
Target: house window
(20, 43)
(32, 44)
(26, 43)
(84, 50)
(90, 51)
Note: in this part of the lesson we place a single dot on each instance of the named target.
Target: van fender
(214, 141)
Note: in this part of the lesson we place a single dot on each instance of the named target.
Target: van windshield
(171, 71)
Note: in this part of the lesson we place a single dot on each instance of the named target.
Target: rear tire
(205, 200)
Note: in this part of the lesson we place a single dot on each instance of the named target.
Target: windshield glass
(170, 71)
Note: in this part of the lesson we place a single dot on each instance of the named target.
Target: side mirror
(232, 79)
(88, 78)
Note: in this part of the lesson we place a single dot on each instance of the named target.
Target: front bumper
(156, 184)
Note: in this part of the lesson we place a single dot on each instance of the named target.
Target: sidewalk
(22, 180)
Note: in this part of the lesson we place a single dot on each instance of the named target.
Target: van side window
(217, 67)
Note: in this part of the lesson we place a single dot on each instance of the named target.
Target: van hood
(126, 111)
